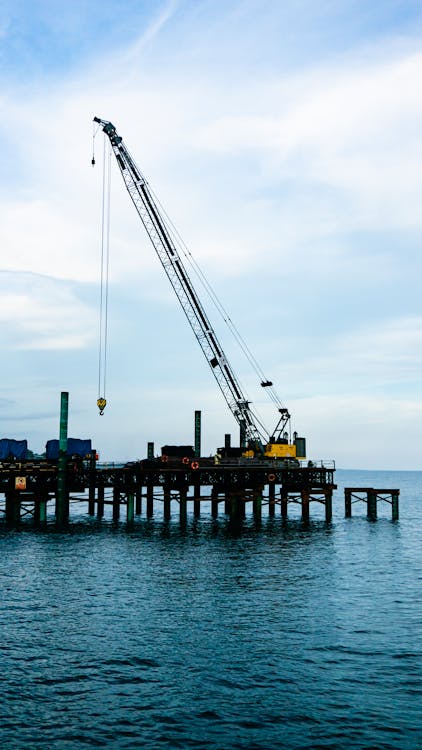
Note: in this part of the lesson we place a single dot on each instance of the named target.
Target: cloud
(38, 313)
(352, 129)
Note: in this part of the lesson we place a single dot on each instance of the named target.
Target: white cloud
(38, 313)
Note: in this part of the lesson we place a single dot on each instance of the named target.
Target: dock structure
(371, 496)
(28, 486)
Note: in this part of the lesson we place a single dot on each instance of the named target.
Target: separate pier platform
(371, 497)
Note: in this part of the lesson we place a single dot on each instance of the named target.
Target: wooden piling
(328, 494)
(372, 505)
(283, 503)
(183, 505)
(348, 503)
(257, 506)
(304, 495)
(214, 503)
(395, 506)
(166, 509)
(116, 503)
(130, 507)
(197, 500)
(271, 499)
(13, 507)
(138, 495)
(150, 500)
(100, 501)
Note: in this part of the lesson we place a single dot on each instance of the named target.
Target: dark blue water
(214, 636)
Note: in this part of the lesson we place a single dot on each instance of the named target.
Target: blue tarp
(75, 447)
(10, 448)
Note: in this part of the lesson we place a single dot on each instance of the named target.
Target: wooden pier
(29, 486)
(371, 497)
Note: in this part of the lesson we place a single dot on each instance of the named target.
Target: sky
(284, 140)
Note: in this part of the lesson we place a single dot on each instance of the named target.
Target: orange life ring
(194, 465)
(185, 460)
(164, 458)
(271, 477)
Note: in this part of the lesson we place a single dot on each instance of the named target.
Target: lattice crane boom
(161, 238)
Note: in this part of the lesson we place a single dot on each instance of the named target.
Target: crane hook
(101, 403)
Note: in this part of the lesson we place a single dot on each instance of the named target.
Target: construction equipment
(256, 440)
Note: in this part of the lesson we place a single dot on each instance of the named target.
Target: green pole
(61, 499)
(197, 434)
(130, 507)
(43, 510)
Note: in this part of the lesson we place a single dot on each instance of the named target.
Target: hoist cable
(107, 269)
(218, 305)
(104, 273)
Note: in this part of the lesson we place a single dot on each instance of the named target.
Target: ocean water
(216, 636)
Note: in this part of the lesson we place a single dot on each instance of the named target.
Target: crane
(158, 230)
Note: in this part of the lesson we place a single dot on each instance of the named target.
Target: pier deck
(27, 486)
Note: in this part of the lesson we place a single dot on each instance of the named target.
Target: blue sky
(284, 140)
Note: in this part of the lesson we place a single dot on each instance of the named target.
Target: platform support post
(91, 489)
(348, 503)
(150, 500)
(42, 509)
(166, 504)
(395, 507)
(283, 503)
(214, 503)
(12, 507)
(328, 505)
(62, 500)
(372, 505)
(196, 500)
(304, 494)
(138, 496)
(116, 503)
(257, 506)
(100, 501)
(130, 507)
(271, 499)
(227, 440)
(183, 505)
(237, 507)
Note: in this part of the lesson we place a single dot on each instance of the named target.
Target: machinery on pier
(255, 439)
